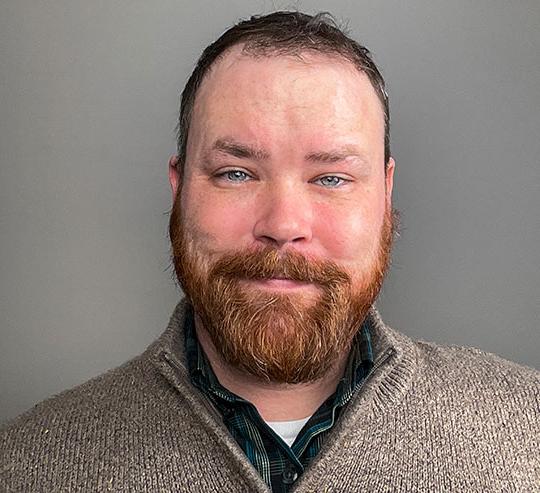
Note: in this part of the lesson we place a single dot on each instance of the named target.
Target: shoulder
(121, 391)
(100, 429)
(487, 378)
(75, 423)
(87, 400)
(471, 360)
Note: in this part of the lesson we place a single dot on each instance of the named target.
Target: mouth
(281, 284)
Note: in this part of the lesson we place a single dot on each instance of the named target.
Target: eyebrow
(240, 150)
(335, 156)
(236, 149)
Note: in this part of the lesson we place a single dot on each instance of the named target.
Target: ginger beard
(276, 337)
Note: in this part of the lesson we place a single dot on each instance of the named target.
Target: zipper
(172, 361)
(180, 369)
(381, 360)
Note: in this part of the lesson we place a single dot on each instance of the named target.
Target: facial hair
(276, 337)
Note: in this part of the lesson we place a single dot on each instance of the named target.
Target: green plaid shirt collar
(278, 464)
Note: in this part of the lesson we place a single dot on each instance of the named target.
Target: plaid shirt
(278, 464)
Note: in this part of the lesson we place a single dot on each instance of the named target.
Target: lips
(280, 283)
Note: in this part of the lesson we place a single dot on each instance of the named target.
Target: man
(276, 372)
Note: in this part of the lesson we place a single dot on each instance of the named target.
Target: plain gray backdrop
(89, 93)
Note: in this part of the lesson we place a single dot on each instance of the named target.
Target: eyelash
(342, 182)
(228, 173)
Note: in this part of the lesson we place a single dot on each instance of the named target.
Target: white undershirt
(288, 430)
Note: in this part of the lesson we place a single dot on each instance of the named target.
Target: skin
(285, 152)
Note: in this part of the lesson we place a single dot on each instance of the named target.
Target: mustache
(268, 263)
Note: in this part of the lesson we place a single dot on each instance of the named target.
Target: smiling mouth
(280, 283)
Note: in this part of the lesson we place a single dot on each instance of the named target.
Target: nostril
(268, 240)
(285, 220)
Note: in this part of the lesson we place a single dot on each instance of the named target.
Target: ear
(175, 175)
(389, 179)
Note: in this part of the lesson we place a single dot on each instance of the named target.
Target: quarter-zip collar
(384, 387)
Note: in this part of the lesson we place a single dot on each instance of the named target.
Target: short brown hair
(283, 33)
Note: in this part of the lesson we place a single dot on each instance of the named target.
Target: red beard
(281, 338)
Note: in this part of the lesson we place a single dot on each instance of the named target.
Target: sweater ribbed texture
(429, 418)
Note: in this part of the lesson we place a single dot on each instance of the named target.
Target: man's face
(282, 223)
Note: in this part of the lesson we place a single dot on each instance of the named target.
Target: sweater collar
(384, 387)
(391, 349)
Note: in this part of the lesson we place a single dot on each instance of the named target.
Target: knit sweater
(427, 419)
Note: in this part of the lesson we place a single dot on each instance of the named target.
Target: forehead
(314, 96)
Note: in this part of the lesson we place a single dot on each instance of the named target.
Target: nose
(284, 217)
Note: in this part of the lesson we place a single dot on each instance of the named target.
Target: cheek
(348, 234)
(217, 222)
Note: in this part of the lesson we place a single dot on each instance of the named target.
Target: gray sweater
(427, 419)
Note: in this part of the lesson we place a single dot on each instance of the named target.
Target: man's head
(282, 223)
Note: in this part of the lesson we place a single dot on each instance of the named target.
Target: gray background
(88, 99)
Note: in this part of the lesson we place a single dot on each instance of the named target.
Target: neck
(274, 401)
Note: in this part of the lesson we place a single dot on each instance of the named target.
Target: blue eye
(235, 175)
(331, 181)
